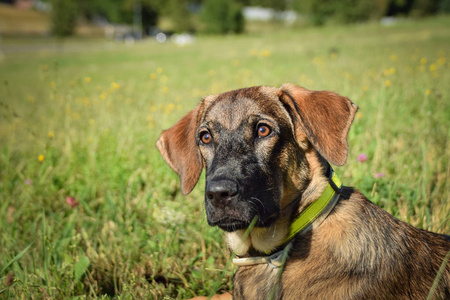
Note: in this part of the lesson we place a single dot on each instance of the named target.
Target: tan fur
(358, 252)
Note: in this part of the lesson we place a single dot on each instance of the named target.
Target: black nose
(220, 192)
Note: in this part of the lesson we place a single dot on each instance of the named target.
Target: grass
(90, 209)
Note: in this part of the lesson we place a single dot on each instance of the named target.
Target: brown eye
(206, 137)
(263, 131)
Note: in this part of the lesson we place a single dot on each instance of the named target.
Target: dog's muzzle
(222, 207)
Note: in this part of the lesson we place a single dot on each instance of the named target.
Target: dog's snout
(220, 192)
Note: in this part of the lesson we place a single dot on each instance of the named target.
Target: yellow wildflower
(433, 67)
(423, 60)
(153, 76)
(52, 84)
(159, 70)
(358, 115)
(169, 108)
(387, 83)
(365, 88)
(428, 92)
(87, 79)
(165, 90)
(51, 134)
(115, 86)
(265, 53)
(41, 158)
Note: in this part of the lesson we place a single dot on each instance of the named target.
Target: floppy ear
(178, 147)
(324, 117)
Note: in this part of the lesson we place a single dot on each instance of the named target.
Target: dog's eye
(263, 131)
(205, 137)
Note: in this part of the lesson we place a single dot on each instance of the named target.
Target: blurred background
(137, 19)
(88, 207)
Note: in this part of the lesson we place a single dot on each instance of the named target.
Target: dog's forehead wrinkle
(230, 113)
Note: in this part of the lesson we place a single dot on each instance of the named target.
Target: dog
(297, 232)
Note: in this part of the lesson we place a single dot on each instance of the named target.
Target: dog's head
(260, 148)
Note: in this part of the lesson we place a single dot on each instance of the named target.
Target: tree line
(225, 16)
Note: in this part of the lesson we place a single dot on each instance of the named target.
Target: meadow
(88, 207)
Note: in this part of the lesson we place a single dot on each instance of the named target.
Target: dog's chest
(257, 282)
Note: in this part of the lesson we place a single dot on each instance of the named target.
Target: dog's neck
(309, 211)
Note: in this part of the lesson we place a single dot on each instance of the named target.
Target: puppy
(298, 233)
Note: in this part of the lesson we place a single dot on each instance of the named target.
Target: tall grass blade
(16, 258)
(438, 276)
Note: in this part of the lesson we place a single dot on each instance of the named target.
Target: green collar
(317, 210)
(321, 207)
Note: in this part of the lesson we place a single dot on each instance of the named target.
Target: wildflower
(91, 122)
(169, 108)
(72, 201)
(87, 79)
(432, 67)
(159, 70)
(51, 134)
(28, 181)
(153, 76)
(362, 157)
(428, 92)
(441, 61)
(212, 73)
(103, 95)
(165, 90)
(365, 88)
(423, 61)
(379, 175)
(387, 83)
(41, 158)
(390, 71)
(235, 62)
(52, 84)
(115, 86)
(265, 53)
(153, 108)
(358, 115)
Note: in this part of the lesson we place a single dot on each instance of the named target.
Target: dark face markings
(241, 143)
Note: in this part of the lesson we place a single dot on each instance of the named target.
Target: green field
(79, 122)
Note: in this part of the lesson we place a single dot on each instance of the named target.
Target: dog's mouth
(230, 224)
